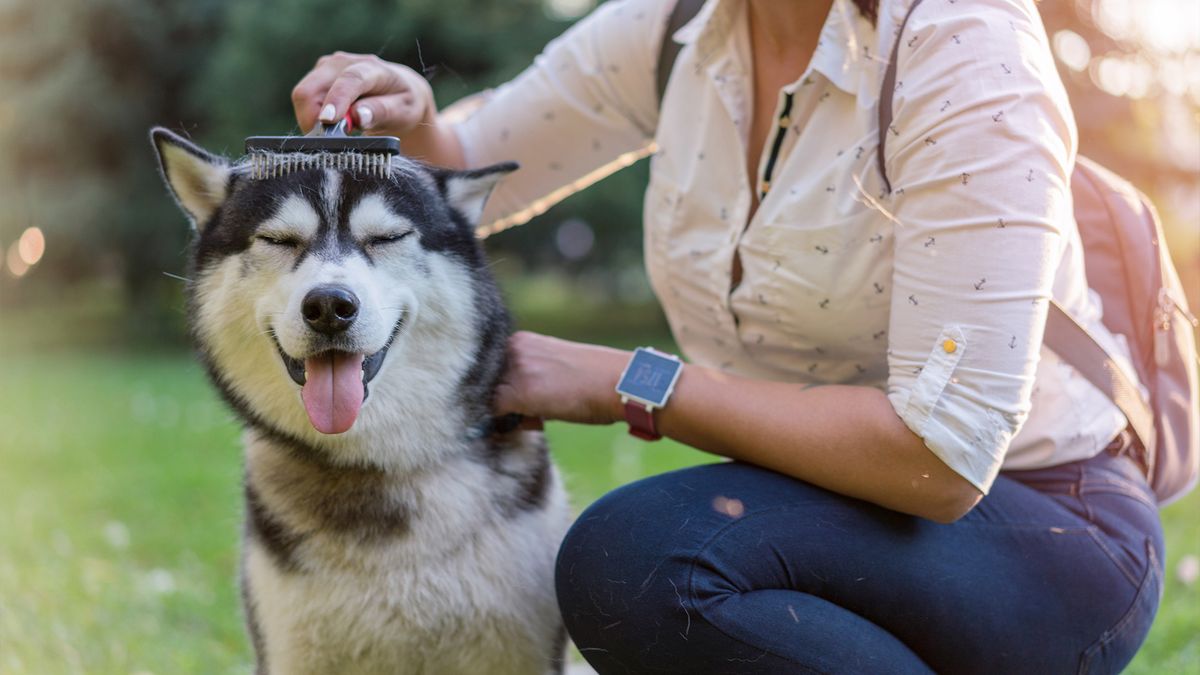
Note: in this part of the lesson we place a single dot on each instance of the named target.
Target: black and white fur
(422, 540)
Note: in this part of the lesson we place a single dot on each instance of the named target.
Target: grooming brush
(327, 146)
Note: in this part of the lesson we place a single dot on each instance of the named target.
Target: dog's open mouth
(333, 384)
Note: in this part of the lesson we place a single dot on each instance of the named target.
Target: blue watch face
(649, 377)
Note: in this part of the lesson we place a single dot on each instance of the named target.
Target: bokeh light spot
(31, 245)
(1188, 570)
(1113, 75)
(574, 239)
(1162, 26)
(1072, 50)
(734, 508)
(16, 266)
(567, 10)
(116, 534)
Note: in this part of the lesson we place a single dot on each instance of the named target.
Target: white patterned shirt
(936, 293)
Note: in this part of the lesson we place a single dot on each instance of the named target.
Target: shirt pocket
(822, 285)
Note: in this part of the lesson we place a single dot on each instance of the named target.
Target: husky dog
(351, 322)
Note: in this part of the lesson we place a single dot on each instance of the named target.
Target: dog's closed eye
(281, 240)
(389, 238)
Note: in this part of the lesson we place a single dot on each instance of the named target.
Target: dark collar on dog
(497, 425)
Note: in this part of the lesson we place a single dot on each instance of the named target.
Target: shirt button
(950, 346)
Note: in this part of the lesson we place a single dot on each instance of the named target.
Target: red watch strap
(641, 421)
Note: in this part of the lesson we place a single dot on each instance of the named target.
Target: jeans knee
(618, 556)
(638, 573)
(638, 536)
(609, 579)
(587, 552)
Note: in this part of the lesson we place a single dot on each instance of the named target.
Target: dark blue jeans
(730, 568)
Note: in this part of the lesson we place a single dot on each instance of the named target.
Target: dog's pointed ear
(198, 179)
(467, 191)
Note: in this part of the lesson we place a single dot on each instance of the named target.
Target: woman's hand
(386, 98)
(556, 379)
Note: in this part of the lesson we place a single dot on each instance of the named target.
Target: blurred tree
(1132, 84)
(85, 79)
(462, 46)
(1119, 128)
(266, 47)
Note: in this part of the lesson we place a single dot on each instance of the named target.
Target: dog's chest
(463, 590)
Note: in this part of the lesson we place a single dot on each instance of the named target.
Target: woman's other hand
(383, 98)
(556, 379)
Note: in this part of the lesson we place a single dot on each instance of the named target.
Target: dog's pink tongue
(333, 390)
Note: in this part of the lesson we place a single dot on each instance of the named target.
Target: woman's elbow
(955, 499)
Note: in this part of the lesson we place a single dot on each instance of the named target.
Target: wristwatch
(647, 383)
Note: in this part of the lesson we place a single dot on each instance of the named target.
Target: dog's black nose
(329, 309)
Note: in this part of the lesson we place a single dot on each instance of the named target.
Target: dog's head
(305, 287)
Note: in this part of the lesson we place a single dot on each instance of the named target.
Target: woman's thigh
(711, 568)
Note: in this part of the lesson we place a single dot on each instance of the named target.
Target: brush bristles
(274, 165)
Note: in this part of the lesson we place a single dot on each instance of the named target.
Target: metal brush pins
(327, 146)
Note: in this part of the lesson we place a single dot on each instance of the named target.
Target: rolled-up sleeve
(979, 156)
(588, 99)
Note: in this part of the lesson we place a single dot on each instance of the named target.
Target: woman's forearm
(847, 439)
(435, 143)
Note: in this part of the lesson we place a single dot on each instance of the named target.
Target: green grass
(119, 517)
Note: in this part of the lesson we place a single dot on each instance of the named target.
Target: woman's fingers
(382, 96)
(308, 96)
(391, 113)
(556, 379)
(355, 81)
(506, 399)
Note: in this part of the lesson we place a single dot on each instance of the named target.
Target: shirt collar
(843, 50)
(701, 23)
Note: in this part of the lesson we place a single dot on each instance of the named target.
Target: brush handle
(343, 127)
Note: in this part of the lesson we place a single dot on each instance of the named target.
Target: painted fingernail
(328, 113)
(365, 117)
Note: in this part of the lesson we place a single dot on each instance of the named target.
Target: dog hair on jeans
(351, 321)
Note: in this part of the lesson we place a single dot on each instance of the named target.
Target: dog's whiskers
(271, 317)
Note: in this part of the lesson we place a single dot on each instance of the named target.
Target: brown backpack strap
(1064, 335)
(1075, 345)
(885, 99)
(683, 12)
